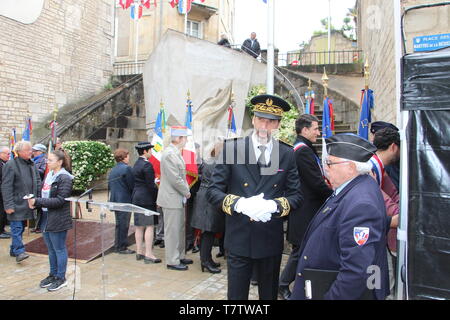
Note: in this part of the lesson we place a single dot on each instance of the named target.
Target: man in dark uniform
(255, 195)
(347, 236)
(315, 192)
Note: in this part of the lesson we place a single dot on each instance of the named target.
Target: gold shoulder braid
(228, 202)
(285, 205)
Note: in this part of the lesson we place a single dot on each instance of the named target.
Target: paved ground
(125, 278)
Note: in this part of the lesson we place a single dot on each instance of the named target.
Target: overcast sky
(295, 20)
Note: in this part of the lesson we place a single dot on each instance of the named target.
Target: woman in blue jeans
(56, 218)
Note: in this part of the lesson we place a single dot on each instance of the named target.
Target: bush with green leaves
(286, 132)
(90, 160)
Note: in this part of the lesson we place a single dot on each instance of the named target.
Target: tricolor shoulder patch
(361, 235)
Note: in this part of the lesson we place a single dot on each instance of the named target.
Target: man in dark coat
(256, 184)
(121, 184)
(19, 178)
(4, 157)
(315, 192)
(251, 46)
(346, 240)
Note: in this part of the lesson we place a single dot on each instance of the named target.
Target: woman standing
(144, 195)
(206, 217)
(56, 218)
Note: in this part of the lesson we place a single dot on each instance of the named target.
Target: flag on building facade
(12, 141)
(367, 104)
(26, 135)
(327, 130)
(157, 142)
(188, 152)
(184, 6)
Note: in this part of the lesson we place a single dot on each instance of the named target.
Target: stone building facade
(207, 20)
(377, 39)
(62, 57)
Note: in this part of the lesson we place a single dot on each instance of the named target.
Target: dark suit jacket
(330, 242)
(315, 190)
(1, 198)
(237, 175)
(121, 189)
(145, 190)
(254, 50)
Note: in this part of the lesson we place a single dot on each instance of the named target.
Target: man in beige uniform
(172, 196)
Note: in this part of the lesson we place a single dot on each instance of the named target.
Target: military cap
(144, 145)
(350, 146)
(378, 125)
(269, 106)
(180, 131)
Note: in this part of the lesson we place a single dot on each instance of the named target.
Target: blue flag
(366, 115)
(189, 115)
(326, 119)
(158, 124)
(26, 135)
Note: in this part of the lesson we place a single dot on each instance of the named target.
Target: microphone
(99, 185)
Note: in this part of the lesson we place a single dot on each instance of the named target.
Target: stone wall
(62, 58)
(376, 37)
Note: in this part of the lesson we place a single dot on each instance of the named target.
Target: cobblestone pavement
(124, 277)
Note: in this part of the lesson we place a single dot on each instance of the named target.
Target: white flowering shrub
(90, 159)
(286, 132)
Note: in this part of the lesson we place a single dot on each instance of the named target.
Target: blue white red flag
(26, 135)
(184, 6)
(158, 145)
(366, 115)
(326, 119)
(188, 152)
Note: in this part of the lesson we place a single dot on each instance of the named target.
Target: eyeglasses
(329, 163)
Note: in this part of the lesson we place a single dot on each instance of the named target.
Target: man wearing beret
(256, 184)
(346, 241)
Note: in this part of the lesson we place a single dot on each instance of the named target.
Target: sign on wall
(25, 11)
(431, 43)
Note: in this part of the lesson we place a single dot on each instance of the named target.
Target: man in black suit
(121, 187)
(256, 184)
(315, 192)
(251, 46)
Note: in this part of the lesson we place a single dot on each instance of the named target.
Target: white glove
(269, 207)
(244, 206)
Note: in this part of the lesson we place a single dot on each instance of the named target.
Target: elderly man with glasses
(343, 255)
(5, 155)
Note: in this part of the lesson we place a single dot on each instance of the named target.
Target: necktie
(262, 157)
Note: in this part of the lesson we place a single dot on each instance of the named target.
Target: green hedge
(90, 159)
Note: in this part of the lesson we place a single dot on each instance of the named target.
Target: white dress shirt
(268, 146)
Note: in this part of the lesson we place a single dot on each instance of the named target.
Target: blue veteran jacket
(122, 186)
(238, 175)
(331, 242)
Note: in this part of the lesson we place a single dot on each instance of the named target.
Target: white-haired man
(343, 255)
(19, 178)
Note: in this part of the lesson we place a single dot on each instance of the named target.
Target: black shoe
(162, 245)
(178, 267)
(284, 293)
(215, 264)
(158, 242)
(139, 257)
(195, 249)
(11, 254)
(47, 281)
(151, 260)
(58, 284)
(254, 282)
(210, 268)
(189, 247)
(4, 236)
(186, 261)
(21, 257)
(126, 251)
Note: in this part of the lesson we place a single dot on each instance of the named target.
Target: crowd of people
(341, 211)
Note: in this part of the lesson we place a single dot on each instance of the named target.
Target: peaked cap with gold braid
(269, 106)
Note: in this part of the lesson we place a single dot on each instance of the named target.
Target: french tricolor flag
(136, 11)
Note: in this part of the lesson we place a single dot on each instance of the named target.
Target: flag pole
(137, 40)
(270, 47)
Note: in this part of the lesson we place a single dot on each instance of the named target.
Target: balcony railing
(128, 68)
(321, 58)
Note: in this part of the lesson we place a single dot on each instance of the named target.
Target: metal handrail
(61, 128)
(323, 57)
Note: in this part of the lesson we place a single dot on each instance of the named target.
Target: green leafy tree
(90, 160)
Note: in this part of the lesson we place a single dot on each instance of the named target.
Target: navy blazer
(237, 175)
(121, 189)
(330, 242)
(145, 191)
